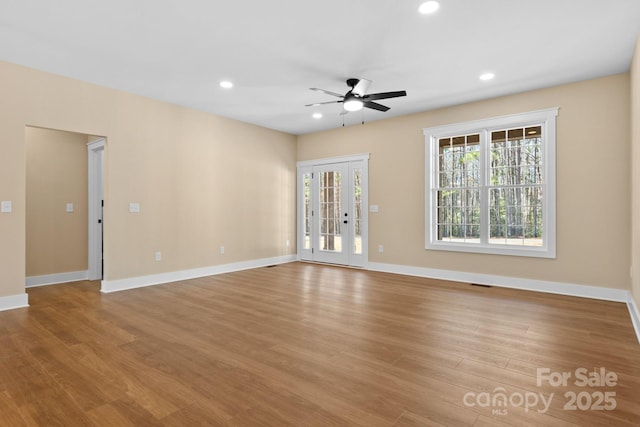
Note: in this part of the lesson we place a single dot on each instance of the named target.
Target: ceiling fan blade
(322, 103)
(327, 92)
(361, 87)
(385, 95)
(376, 106)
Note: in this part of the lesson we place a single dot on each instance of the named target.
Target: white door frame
(95, 150)
(359, 161)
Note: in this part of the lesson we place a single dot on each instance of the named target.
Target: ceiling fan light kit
(353, 105)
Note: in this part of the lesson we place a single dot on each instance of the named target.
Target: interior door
(332, 212)
(96, 208)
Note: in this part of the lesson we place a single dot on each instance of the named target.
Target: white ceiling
(274, 51)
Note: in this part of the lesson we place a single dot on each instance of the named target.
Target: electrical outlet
(158, 256)
(380, 248)
(69, 207)
(287, 243)
(222, 249)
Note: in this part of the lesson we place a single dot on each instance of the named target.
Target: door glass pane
(306, 179)
(330, 211)
(357, 211)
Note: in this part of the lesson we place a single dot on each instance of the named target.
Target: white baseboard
(635, 314)
(14, 301)
(584, 291)
(54, 279)
(569, 289)
(174, 276)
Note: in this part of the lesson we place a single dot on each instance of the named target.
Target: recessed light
(487, 76)
(317, 115)
(428, 7)
(225, 84)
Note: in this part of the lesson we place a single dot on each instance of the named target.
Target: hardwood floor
(303, 344)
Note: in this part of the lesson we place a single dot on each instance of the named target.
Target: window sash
(535, 239)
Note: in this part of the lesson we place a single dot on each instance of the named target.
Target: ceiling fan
(356, 98)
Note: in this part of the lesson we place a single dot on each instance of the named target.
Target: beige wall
(593, 207)
(202, 180)
(635, 173)
(56, 240)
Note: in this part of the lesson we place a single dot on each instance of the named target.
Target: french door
(332, 211)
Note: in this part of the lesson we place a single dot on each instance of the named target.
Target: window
(491, 185)
(306, 210)
(357, 210)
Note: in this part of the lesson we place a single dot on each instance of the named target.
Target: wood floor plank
(307, 344)
(408, 419)
(9, 411)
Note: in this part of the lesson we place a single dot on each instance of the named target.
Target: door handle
(345, 221)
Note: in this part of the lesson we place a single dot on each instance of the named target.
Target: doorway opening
(61, 185)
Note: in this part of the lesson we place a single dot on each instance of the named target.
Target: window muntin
(491, 185)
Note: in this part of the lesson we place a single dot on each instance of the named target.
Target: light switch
(69, 207)
(6, 206)
(374, 208)
(134, 207)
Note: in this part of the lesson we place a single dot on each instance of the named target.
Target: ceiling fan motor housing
(352, 82)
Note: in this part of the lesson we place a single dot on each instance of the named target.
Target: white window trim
(545, 117)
